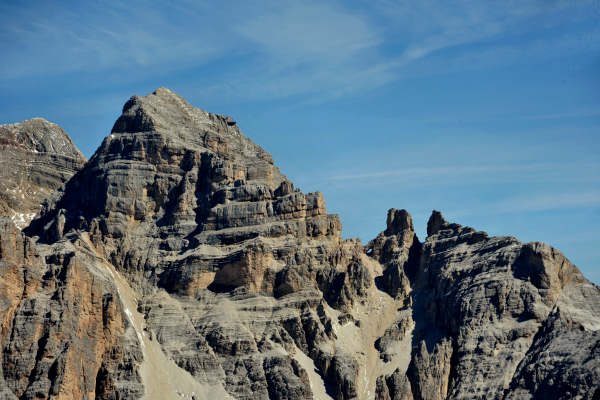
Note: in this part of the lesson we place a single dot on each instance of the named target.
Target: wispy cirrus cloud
(472, 174)
(585, 112)
(432, 25)
(534, 202)
(547, 201)
(303, 48)
(309, 32)
(324, 51)
(317, 50)
(43, 39)
(281, 49)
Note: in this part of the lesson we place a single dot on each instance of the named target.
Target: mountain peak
(164, 111)
(163, 91)
(39, 135)
(36, 158)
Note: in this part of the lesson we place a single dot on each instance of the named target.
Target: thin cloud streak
(535, 202)
(426, 172)
(539, 172)
(572, 114)
(99, 38)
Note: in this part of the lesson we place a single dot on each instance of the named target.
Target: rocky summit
(180, 263)
(36, 158)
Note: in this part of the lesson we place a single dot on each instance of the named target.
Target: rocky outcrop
(180, 263)
(64, 333)
(483, 308)
(399, 250)
(36, 158)
(185, 206)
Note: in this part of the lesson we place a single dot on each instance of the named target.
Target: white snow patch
(21, 220)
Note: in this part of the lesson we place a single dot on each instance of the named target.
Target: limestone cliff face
(180, 263)
(482, 309)
(36, 158)
(64, 332)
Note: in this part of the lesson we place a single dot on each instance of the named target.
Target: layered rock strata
(36, 158)
(180, 263)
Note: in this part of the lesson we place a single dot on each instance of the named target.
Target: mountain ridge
(180, 253)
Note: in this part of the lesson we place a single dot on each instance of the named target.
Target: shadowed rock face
(180, 263)
(36, 158)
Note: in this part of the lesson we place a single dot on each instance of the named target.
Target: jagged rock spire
(397, 221)
(435, 223)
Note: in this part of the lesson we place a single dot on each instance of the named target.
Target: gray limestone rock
(36, 158)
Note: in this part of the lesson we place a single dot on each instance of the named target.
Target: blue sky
(486, 110)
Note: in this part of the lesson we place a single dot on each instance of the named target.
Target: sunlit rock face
(36, 158)
(180, 263)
